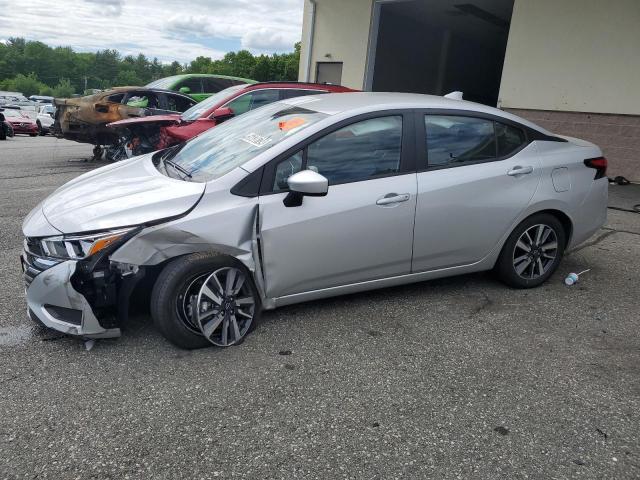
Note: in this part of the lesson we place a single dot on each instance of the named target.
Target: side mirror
(305, 183)
(185, 90)
(222, 113)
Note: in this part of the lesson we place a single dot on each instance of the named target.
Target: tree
(34, 67)
(26, 84)
(63, 89)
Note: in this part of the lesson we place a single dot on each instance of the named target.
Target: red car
(147, 134)
(21, 122)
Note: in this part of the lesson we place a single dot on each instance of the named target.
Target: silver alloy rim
(535, 251)
(225, 307)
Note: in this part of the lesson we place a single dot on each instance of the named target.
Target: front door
(361, 230)
(481, 175)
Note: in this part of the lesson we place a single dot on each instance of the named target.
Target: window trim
(407, 148)
(530, 135)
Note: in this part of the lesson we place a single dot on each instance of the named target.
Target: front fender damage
(235, 233)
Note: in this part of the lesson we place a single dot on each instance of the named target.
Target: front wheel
(204, 299)
(532, 252)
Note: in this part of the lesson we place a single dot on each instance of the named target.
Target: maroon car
(21, 122)
(147, 134)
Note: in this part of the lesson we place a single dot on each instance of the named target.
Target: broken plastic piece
(89, 343)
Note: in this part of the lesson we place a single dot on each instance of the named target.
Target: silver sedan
(305, 199)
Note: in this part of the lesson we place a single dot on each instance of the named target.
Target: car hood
(20, 120)
(123, 194)
(160, 119)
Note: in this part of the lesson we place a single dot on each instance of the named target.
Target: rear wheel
(532, 252)
(204, 299)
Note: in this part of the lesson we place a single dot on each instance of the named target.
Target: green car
(198, 85)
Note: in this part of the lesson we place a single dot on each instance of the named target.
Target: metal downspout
(312, 28)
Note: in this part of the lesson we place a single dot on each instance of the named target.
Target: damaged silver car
(304, 199)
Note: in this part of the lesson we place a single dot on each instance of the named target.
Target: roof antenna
(457, 95)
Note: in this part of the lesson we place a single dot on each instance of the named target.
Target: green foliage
(243, 64)
(27, 84)
(63, 89)
(35, 68)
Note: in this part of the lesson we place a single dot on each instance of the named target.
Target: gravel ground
(456, 378)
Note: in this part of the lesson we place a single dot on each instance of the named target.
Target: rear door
(363, 228)
(478, 174)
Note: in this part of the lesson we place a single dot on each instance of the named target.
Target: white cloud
(159, 28)
(111, 8)
(266, 39)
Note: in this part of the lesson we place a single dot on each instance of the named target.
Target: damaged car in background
(143, 135)
(309, 198)
(84, 119)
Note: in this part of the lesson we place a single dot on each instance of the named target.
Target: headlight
(81, 246)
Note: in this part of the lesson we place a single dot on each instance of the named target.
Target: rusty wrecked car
(84, 119)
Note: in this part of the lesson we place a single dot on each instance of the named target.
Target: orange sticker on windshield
(291, 124)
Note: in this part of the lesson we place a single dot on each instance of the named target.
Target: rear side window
(360, 151)
(455, 140)
(117, 98)
(176, 103)
(509, 139)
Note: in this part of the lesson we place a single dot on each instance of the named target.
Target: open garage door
(438, 46)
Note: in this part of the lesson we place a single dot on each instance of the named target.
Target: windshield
(14, 113)
(164, 83)
(199, 108)
(225, 147)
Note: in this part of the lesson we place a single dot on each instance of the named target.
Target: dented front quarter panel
(221, 222)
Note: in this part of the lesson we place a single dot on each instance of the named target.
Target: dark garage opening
(439, 46)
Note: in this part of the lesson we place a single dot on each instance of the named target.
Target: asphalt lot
(457, 378)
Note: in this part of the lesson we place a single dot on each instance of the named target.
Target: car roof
(113, 90)
(364, 102)
(208, 75)
(300, 86)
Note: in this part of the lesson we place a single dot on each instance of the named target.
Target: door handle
(391, 198)
(518, 170)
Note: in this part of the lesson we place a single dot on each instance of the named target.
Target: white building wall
(573, 55)
(341, 31)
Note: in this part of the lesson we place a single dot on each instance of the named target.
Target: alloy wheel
(186, 301)
(225, 306)
(535, 251)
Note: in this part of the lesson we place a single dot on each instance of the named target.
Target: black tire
(41, 131)
(505, 265)
(174, 279)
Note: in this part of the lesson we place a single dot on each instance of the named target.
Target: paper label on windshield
(256, 140)
(295, 122)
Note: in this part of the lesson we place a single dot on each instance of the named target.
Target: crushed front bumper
(53, 301)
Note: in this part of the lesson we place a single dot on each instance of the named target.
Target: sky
(166, 29)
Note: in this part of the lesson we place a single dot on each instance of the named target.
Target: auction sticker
(256, 140)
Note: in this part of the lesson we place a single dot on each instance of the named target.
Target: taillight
(600, 164)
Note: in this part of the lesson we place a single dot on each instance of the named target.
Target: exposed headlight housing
(77, 247)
